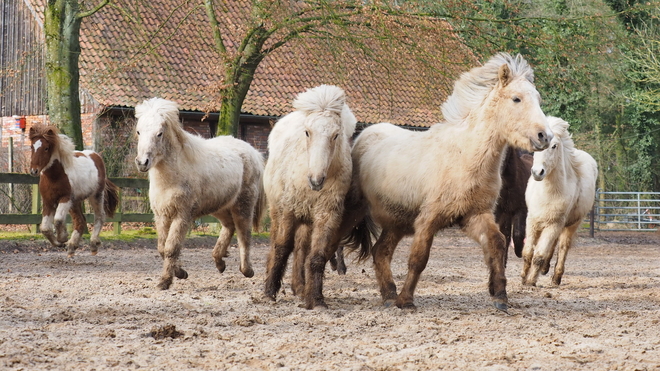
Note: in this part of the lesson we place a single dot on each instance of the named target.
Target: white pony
(560, 193)
(306, 179)
(190, 177)
(420, 182)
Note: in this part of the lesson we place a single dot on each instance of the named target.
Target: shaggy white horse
(560, 193)
(307, 177)
(420, 182)
(190, 177)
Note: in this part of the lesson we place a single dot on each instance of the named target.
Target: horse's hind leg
(482, 228)
(221, 245)
(565, 243)
(171, 251)
(243, 225)
(519, 226)
(382, 251)
(339, 256)
(300, 252)
(281, 247)
(96, 202)
(78, 227)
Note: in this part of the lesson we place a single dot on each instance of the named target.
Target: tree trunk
(62, 30)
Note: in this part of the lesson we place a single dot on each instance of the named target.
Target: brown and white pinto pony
(67, 178)
(559, 195)
(190, 177)
(417, 183)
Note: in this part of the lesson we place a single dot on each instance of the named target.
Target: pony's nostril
(542, 137)
(542, 172)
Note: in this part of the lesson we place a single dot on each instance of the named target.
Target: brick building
(170, 55)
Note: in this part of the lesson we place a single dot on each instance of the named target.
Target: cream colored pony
(417, 183)
(307, 177)
(560, 193)
(190, 177)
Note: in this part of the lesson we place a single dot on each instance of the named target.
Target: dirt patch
(104, 312)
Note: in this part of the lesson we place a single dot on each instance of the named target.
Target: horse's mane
(559, 128)
(62, 145)
(473, 86)
(327, 98)
(167, 111)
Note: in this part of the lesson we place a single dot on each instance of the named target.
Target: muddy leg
(565, 243)
(482, 228)
(281, 248)
(171, 252)
(78, 227)
(324, 245)
(339, 256)
(519, 226)
(383, 251)
(300, 253)
(541, 254)
(221, 245)
(244, 237)
(99, 218)
(504, 222)
(419, 256)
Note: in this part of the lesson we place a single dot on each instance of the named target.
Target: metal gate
(627, 211)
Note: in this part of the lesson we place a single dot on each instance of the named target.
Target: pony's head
(157, 120)
(549, 159)
(328, 124)
(47, 142)
(502, 91)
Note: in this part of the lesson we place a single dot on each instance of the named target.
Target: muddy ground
(104, 312)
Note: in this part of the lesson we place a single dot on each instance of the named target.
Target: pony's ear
(32, 132)
(504, 75)
(50, 132)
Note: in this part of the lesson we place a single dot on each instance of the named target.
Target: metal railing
(627, 211)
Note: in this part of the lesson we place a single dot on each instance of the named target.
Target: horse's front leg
(324, 244)
(243, 223)
(538, 257)
(425, 228)
(300, 252)
(63, 209)
(46, 227)
(382, 252)
(482, 229)
(281, 247)
(565, 243)
(79, 222)
(171, 250)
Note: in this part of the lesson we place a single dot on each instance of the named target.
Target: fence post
(117, 225)
(10, 161)
(36, 202)
(592, 220)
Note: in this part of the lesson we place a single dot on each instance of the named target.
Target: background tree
(62, 32)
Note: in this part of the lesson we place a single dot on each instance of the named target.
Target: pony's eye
(516, 100)
(554, 146)
(138, 133)
(307, 133)
(335, 137)
(160, 134)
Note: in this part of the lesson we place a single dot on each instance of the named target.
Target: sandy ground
(104, 312)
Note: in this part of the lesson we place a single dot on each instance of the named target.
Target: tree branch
(93, 10)
(215, 27)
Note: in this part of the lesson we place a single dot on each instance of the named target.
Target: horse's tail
(362, 236)
(111, 199)
(260, 207)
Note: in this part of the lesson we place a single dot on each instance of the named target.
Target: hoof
(181, 274)
(94, 252)
(389, 302)
(70, 254)
(341, 269)
(556, 281)
(501, 306)
(220, 265)
(407, 306)
(317, 305)
(164, 285)
(249, 272)
(269, 297)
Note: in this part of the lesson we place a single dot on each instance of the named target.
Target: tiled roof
(121, 66)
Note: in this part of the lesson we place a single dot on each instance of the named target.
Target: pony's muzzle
(142, 166)
(316, 184)
(538, 173)
(34, 172)
(543, 140)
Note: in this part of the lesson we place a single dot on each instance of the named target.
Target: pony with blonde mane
(190, 177)
(67, 178)
(417, 183)
(560, 193)
(307, 177)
